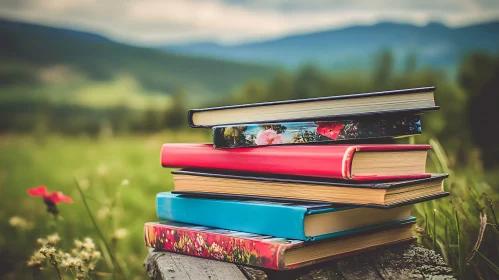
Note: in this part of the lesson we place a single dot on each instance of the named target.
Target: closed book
(237, 185)
(395, 101)
(326, 131)
(268, 251)
(348, 162)
(301, 221)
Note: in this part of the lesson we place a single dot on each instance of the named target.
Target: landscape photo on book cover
(247, 135)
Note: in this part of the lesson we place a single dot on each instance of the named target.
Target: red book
(350, 162)
(268, 251)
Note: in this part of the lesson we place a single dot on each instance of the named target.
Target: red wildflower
(330, 129)
(54, 197)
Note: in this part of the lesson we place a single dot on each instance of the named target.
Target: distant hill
(434, 44)
(98, 58)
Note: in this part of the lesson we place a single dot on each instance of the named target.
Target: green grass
(119, 178)
(463, 228)
(100, 166)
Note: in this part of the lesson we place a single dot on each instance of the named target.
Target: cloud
(160, 21)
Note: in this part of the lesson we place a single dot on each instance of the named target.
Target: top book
(406, 100)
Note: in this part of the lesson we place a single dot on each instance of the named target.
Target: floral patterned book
(250, 135)
(266, 251)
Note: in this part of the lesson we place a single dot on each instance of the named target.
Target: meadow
(119, 177)
(92, 128)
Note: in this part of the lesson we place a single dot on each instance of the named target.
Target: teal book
(293, 220)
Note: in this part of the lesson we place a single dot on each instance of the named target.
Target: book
(267, 251)
(235, 185)
(293, 220)
(250, 135)
(349, 162)
(395, 101)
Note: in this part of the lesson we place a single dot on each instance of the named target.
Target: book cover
(249, 135)
(327, 161)
(247, 248)
(191, 114)
(276, 218)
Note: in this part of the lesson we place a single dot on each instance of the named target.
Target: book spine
(323, 161)
(247, 216)
(251, 135)
(215, 246)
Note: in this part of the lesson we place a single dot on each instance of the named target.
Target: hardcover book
(267, 251)
(395, 101)
(209, 183)
(298, 220)
(248, 135)
(348, 162)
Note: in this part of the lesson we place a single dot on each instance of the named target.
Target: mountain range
(26, 49)
(433, 44)
(210, 69)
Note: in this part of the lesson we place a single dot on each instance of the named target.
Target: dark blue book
(412, 100)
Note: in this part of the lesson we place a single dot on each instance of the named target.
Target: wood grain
(403, 261)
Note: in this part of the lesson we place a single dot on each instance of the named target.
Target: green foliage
(275, 127)
(463, 226)
(235, 134)
(384, 68)
(479, 76)
(119, 178)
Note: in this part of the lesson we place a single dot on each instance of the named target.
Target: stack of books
(292, 183)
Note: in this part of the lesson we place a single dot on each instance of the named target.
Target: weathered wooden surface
(405, 261)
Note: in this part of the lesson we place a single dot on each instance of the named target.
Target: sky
(154, 22)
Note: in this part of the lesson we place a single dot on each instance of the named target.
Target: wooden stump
(403, 261)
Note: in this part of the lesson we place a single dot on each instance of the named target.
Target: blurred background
(89, 90)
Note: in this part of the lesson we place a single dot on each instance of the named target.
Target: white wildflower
(42, 241)
(88, 244)
(103, 213)
(20, 223)
(36, 259)
(47, 251)
(53, 239)
(84, 255)
(120, 233)
(96, 255)
(78, 243)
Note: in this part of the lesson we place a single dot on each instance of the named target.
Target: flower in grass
(103, 213)
(54, 197)
(96, 255)
(120, 233)
(20, 223)
(53, 239)
(36, 260)
(268, 137)
(47, 251)
(125, 182)
(50, 199)
(329, 129)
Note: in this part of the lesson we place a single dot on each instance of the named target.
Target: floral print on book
(219, 244)
(250, 135)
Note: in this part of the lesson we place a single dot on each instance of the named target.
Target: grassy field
(120, 177)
